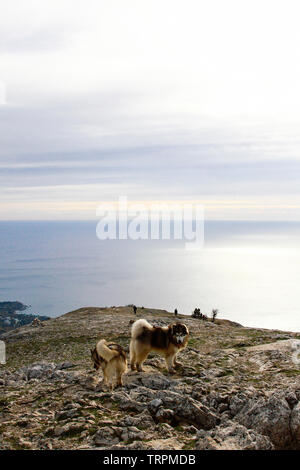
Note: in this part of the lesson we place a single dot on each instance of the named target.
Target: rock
(232, 437)
(128, 403)
(191, 429)
(164, 444)
(295, 425)
(132, 433)
(223, 407)
(22, 423)
(105, 436)
(188, 410)
(237, 402)
(68, 429)
(26, 444)
(70, 405)
(155, 382)
(67, 414)
(164, 415)
(165, 430)
(292, 399)
(270, 417)
(38, 371)
(58, 431)
(143, 420)
(136, 445)
(153, 405)
(65, 365)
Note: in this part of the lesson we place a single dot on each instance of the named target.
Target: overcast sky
(156, 100)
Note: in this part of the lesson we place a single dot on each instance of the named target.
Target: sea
(249, 271)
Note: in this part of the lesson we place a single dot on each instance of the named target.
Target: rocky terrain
(237, 388)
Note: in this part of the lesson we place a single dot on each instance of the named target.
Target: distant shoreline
(12, 316)
(12, 306)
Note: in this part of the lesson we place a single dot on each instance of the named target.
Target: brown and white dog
(111, 357)
(166, 340)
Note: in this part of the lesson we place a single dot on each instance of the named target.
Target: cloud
(34, 42)
(154, 98)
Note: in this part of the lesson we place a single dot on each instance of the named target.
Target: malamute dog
(166, 340)
(111, 357)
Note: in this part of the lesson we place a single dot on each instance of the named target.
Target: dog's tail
(138, 327)
(106, 350)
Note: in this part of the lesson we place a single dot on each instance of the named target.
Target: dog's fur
(167, 340)
(111, 357)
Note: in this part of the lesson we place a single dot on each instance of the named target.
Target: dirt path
(282, 345)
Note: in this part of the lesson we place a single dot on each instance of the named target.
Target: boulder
(295, 426)
(270, 417)
(187, 410)
(233, 436)
(106, 436)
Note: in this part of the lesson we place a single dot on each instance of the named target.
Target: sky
(154, 100)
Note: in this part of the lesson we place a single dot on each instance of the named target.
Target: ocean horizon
(248, 270)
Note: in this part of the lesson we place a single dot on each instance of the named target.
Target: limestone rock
(232, 437)
(270, 417)
(295, 425)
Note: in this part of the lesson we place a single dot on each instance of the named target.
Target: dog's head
(98, 360)
(179, 332)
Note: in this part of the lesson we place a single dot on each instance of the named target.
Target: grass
(227, 372)
(290, 372)
(68, 348)
(73, 432)
(190, 445)
(15, 444)
(3, 400)
(121, 339)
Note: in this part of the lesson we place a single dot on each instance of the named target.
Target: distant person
(134, 309)
(175, 312)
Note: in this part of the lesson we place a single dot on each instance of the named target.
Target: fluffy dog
(111, 357)
(167, 340)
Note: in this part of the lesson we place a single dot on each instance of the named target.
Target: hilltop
(237, 388)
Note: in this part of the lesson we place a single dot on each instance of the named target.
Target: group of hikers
(198, 314)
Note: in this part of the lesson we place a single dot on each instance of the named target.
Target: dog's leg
(105, 378)
(132, 355)
(141, 356)
(175, 362)
(169, 361)
(119, 379)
